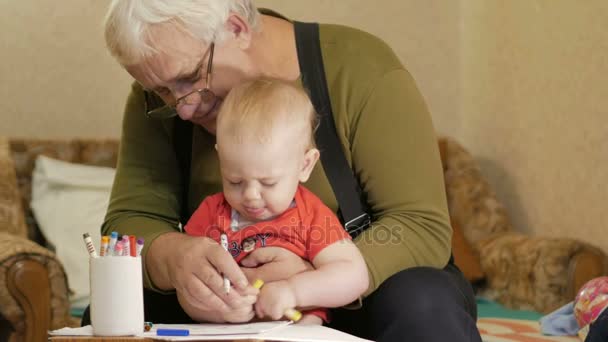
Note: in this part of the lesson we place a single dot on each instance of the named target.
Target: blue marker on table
(172, 332)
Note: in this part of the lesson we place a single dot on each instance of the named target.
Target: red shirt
(305, 229)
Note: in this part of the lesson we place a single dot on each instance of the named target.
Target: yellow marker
(258, 283)
(105, 243)
(292, 314)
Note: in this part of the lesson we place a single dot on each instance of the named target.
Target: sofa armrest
(537, 273)
(12, 217)
(33, 288)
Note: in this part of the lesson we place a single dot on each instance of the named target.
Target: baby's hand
(274, 299)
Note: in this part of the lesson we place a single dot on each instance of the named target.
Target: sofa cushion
(69, 200)
(464, 256)
(472, 201)
(534, 272)
(24, 151)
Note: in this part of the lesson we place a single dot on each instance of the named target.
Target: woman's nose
(186, 111)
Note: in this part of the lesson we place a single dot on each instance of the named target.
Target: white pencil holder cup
(117, 299)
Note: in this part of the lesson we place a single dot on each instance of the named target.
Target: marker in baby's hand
(224, 243)
(258, 283)
(292, 314)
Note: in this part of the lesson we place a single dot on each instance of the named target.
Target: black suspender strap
(182, 144)
(346, 188)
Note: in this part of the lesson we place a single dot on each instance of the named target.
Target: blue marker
(172, 332)
(113, 238)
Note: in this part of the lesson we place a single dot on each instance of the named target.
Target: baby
(265, 143)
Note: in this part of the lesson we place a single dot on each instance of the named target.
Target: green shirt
(386, 133)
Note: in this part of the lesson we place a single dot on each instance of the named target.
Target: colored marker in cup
(113, 240)
(125, 245)
(140, 246)
(118, 249)
(89, 243)
(132, 246)
(105, 243)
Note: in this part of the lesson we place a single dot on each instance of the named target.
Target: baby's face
(260, 179)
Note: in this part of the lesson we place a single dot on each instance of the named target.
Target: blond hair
(129, 23)
(256, 109)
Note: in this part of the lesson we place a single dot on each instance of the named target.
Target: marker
(140, 246)
(172, 332)
(132, 246)
(258, 283)
(113, 239)
(224, 242)
(105, 242)
(118, 249)
(292, 314)
(125, 245)
(89, 243)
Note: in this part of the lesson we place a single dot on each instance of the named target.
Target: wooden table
(99, 339)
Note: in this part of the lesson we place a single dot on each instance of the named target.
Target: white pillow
(69, 200)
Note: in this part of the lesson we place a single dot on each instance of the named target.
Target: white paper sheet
(289, 333)
(221, 329)
(277, 331)
(195, 329)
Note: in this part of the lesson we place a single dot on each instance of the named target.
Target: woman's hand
(201, 314)
(193, 266)
(273, 264)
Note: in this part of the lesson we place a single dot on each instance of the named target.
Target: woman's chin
(208, 124)
(208, 121)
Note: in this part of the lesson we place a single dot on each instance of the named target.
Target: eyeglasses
(203, 96)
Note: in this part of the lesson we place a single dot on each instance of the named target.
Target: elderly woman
(185, 57)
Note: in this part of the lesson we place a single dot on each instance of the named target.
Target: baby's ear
(310, 159)
(215, 147)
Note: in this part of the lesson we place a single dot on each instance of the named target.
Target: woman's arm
(146, 191)
(396, 157)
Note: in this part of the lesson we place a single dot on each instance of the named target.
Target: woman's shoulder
(356, 63)
(357, 49)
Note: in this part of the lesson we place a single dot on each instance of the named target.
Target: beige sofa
(520, 271)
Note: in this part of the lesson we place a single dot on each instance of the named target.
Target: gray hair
(128, 23)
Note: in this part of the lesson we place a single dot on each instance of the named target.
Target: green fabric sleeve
(395, 155)
(146, 194)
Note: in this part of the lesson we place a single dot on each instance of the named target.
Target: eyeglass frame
(169, 110)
